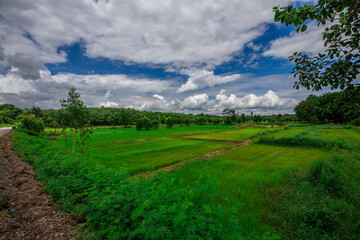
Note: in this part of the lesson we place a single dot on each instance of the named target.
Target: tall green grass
(320, 202)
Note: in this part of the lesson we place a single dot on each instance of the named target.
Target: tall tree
(74, 114)
(230, 115)
(339, 66)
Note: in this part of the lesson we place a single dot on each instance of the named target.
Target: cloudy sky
(160, 55)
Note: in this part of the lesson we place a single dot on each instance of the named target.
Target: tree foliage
(339, 66)
(74, 114)
(336, 107)
(229, 115)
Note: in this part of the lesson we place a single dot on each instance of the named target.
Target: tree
(169, 122)
(155, 123)
(230, 115)
(339, 66)
(147, 123)
(74, 114)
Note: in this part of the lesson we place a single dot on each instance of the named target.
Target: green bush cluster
(321, 202)
(120, 208)
(147, 124)
(33, 125)
(308, 141)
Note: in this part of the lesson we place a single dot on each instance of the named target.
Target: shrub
(200, 121)
(139, 124)
(169, 122)
(33, 125)
(155, 123)
(356, 122)
(147, 123)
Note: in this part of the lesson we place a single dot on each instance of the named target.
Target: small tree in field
(74, 114)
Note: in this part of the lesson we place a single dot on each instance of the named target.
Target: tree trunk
(73, 148)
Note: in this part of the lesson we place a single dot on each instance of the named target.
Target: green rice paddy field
(243, 175)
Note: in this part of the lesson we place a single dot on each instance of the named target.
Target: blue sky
(157, 55)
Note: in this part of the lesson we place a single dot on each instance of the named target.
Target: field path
(178, 136)
(205, 156)
(26, 210)
(4, 131)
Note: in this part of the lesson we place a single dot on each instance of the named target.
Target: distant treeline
(9, 114)
(337, 107)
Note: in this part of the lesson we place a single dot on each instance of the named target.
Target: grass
(114, 134)
(245, 177)
(240, 134)
(349, 135)
(244, 173)
(149, 155)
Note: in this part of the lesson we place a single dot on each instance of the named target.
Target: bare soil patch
(26, 211)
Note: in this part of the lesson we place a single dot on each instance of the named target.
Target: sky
(156, 55)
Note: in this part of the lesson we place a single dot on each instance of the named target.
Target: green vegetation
(339, 65)
(245, 174)
(239, 134)
(321, 202)
(339, 107)
(293, 182)
(117, 134)
(33, 125)
(149, 155)
(313, 137)
(118, 208)
(74, 115)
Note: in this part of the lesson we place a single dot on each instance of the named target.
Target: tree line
(9, 114)
(337, 107)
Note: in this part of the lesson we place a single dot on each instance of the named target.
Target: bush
(155, 123)
(140, 124)
(33, 125)
(356, 122)
(169, 122)
(147, 123)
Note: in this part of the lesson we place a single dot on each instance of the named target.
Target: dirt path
(4, 131)
(212, 140)
(178, 136)
(205, 156)
(28, 213)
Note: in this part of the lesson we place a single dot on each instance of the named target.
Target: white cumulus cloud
(203, 78)
(309, 42)
(268, 101)
(108, 104)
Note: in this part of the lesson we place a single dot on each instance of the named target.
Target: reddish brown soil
(29, 214)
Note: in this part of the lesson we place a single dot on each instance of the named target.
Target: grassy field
(149, 155)
(245, 177)
(238, 134)
(244, 173)
(115, 134)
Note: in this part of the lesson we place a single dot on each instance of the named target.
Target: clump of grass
(321, 202)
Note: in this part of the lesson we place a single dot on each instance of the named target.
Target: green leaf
(303, 28)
